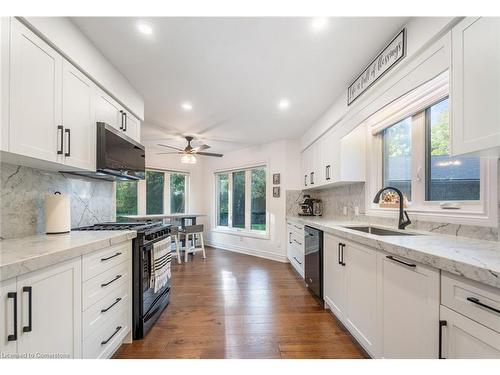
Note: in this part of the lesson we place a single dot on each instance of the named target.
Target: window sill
(461, 216)
(242, 232)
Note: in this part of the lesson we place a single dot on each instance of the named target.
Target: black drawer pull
(29, 290)
(113, 335)
(342, 247)
(477, 302)
(401, 262)
(61, 128)
(442, 323)
(110, 306)
(297, 261)
(13, 295)
(112, 281)
(297, 242)
(68, 131)
(111, 257)
(121, 115)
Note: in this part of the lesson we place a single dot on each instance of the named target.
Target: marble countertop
(26, 254)
(474, 259)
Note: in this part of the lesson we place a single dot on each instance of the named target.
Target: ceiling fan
(189, 153)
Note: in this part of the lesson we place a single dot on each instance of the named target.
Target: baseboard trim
(247, 251)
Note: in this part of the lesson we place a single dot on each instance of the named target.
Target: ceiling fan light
(188, 159)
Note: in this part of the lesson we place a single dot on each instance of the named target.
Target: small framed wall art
(276, 192)
(276, 178)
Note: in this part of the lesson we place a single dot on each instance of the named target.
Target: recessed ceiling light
(186, 106)
(319, 23)
(145, 29)
(283, 104)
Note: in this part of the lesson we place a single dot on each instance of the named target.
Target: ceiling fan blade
(172, 147)
(169, 153)
(200, 148)
(209, 154)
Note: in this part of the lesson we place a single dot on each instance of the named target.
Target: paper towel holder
(57, 214)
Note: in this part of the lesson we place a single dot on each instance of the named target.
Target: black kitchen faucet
(403, 223)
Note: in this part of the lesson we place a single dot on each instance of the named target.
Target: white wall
(421, 34)
(281, 157)
(68, 38)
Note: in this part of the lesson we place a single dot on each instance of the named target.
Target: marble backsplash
(22, 199)
(351, 196)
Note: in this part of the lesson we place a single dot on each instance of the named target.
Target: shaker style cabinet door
(463, 338)
(78, 118)
(475, 85)
(410, 308)
(35, 96)
(8, 317)
(109, 111)
(334, 275)
(50, 310)
(132, 127)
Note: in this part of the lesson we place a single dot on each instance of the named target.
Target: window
(177, 193)
(160, 192)
(155, 183)
(448, 178)
(241, 200)
(126, 198)
(397, 156)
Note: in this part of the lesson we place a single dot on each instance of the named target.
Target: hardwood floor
(238, 306)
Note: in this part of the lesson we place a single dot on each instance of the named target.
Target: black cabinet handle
(110, 306)
(13, 295)
(297, 242)
(305, 180)
(342, 247)
(338, 254)
(110, 282)
(121, 126)
(125, 123)
(312, 178)
(61, 139)
(328, 172)
(113, 335)
(111, 257)
(442, 323)
(290, 237)
(297, 261)
(477, 302)
(68, 131)
(411, 265)
(29, 290)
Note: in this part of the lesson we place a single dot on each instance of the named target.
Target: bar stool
(174, 232)
(193, 231)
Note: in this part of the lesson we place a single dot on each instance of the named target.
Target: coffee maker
(310, 206)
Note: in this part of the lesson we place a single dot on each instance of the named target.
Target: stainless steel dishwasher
(314, 260)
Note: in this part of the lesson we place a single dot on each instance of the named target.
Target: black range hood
(118, 157)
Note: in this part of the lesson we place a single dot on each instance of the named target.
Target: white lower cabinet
(51, 312)
(463, 338)
(334, 275)
(409, 308)
(295, 247)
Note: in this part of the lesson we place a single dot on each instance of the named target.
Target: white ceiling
(235, 70)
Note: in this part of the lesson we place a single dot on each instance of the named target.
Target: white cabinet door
(352, 155)
(334, 275)
(410, 308)
(132, 127)
(8, 317)
(361, 296)
(52, 298)
(78, 118)
(109, 111)
(35, 95)
(463, 338)
(475, 85)
(305, 168)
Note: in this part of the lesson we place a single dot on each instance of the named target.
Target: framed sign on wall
(393, 53)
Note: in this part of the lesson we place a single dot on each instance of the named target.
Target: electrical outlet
(344, 210)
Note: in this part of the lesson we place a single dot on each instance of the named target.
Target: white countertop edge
(34, 263)
(482, 266)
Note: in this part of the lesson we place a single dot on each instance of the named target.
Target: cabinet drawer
(297, 229)
(297, 241)
(99, 286)
(474, 300)
(113, 304)
(99, 261)
(104, 341)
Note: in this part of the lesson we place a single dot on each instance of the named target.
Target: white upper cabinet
(336, 158)
(410, 308)
(475, 89)
(78, 118)
(35, 96)
(132, 127)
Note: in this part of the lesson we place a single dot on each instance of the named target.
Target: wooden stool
(174, 232)
(193, 231)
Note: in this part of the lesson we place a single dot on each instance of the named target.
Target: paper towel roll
(57, 213)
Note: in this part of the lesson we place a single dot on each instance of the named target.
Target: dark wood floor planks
(237, 306)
